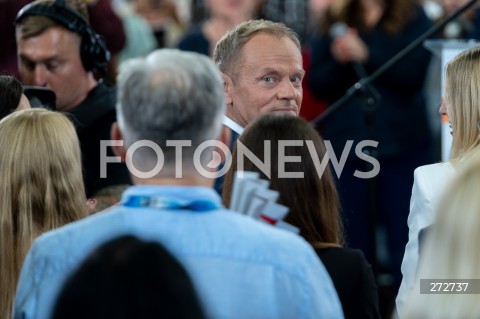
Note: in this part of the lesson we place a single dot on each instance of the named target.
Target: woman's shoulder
(194, 40)
(342, 255)
(434, 169)
(354, 281)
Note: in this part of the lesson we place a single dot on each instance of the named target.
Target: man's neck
(186, 180)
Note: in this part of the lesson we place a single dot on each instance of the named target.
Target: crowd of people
(116, 203)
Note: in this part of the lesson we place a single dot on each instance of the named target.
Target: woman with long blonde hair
(462, 105)
(41, 187)
(450, 254)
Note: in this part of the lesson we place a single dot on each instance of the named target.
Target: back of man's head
(170, 95)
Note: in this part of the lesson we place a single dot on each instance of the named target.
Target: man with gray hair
(262, 72)
(170, 106)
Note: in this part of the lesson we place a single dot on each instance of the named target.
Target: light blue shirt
(240, 267)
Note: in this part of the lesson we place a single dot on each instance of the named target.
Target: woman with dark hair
(11, 96)
(356, 37)
(313, 204)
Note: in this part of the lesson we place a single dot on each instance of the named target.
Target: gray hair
(170, 95)
(227, 51)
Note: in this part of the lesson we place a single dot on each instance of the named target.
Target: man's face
(269, 79)
(52, 60)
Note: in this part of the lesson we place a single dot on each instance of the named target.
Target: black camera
(40, 97)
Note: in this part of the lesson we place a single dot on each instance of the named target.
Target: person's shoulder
(342, 251)
(433, 169)
(194, 32)
(273, 242)
(55, 253)
(245, 223)
(103, 90)
(433, 172)
(74, 235)
(193, 37)
(354, 257)
(348, 268)
(100, 102)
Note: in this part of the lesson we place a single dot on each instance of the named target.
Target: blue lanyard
(161, 202)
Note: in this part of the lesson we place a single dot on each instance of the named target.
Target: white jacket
(428, 185)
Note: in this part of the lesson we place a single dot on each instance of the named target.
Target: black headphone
(93, 50)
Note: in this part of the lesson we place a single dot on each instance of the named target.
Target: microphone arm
(363, 83)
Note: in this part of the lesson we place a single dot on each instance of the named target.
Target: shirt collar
(182, 193)
(234, 126)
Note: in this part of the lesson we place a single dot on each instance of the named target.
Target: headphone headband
(57, 11)
(93, 50)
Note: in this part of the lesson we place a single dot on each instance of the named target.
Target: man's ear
(116, 134)
(227, 88)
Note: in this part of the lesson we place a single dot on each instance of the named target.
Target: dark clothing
(8, 53)
(353, 279)
(195, 41)
(399, 124)
(101, 11)
(400, 121)
(294, 13)
(221, 179)
(93, 119)
(98, 12)
(389, 194)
